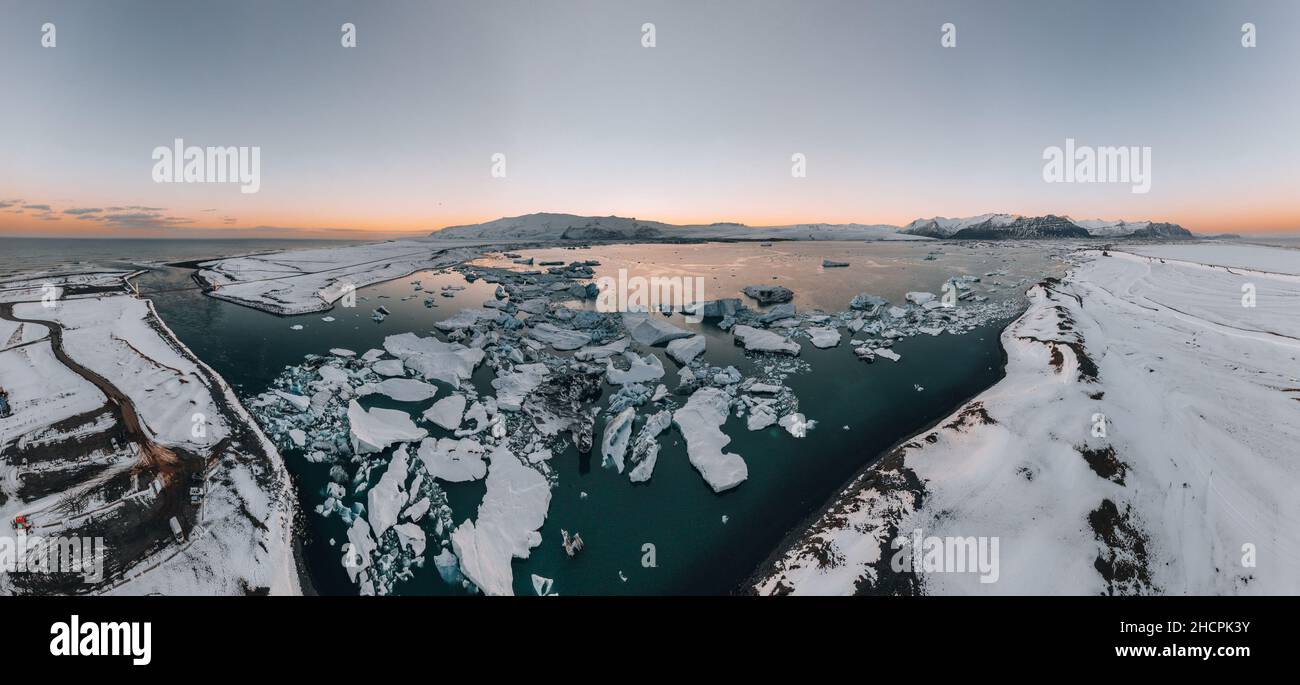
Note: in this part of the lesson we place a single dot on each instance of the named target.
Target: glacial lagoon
(672, 534)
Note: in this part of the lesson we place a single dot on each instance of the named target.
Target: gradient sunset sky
(396, 135)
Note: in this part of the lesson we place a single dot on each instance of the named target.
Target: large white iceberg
(759, 340)
(700, 422)
(452, 460)
(513, 509)
(372, 431)
(434, 359)
(651, 330)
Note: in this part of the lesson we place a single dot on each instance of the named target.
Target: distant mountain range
(548, 226)
(1016, 227)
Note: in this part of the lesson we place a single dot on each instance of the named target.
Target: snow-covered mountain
(1013, 226)
(548, 226)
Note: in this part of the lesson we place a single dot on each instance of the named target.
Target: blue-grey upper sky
(398, 133)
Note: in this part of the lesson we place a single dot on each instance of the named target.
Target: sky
(397, 135)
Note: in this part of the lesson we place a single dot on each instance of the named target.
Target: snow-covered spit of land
(300, 281)
(1142, 442)
(239, 537)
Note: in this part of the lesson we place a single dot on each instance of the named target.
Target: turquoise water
(861, 410)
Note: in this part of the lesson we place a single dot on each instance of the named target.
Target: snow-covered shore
(174, 445)
(1142, 442)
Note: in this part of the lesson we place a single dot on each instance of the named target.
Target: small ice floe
(887, 354)
(372, 431)
(760, 417)
(640, 369)
(452, 460)
(327, 319)
(918, 387)
(559, 338)
(572, 544)
(298, 437)
(403, 389)
(661, 391)
(340, 352)
(651, 330)
(797, 424)
(759, 340)
(514, 386)
(868, 303)
(764, 388)
(296, 327)
(298, 401)
(618, 432)
(824, 337)
(645, 448)
(768, 294)
(598, 352)
(389, 368)
(447, 412)
(377, 316)
(726, 518)
(434, 359)
(385, 499)
(782, 313)
(542, 586)
(622, 577)
(685, 350)
(919, 298)
(465, 318)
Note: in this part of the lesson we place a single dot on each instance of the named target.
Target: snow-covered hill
(548, 226)
(1014, 226)
(1142, 442)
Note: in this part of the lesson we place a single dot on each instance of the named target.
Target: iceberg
(613, 444)
(405, 389)
(434, 359)
(685, 350)
(597, 352)
(447, 412)
(650, 330)
(759, 340)
(824, 337)
(452, 460)
(700, 422)
(514, 386)
(372, 431)
(513, 509)
(645, 448)
(385, 499)
(559, 338)
(640, 369)
(768, 294)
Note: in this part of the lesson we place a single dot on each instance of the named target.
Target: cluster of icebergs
(552, 362)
